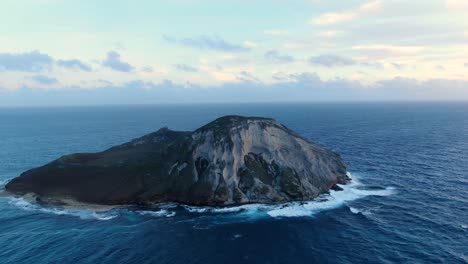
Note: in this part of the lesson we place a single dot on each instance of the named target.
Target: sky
(70, 52)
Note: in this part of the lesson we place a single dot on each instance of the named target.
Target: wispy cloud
(245, 76)
(42, 79)
(457, 4)
(208, 43)
(346, 15)
(27, 62)
(375, 65)
(275, 56)
(250, 44)
(391, 48)
(329, 33)
(114, 62)
(331, 60)
(185, 68)
(334, 17)
(297, 87)
(74, 64)
(398, 66)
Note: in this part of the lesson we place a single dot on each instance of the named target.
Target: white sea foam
(365, 212)
(231, 209)
(385, 192)
(352, 191)
(354, 210)
(194, 209)
(159, 213)
(83, 214)
(335, 199)
(3, 183)
(236, 236)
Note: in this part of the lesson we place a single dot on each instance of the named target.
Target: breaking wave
(350, 192)
(159, 213)
(82, 214)
(3, 183)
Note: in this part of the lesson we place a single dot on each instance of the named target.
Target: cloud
(185, 68)
(275, 56)
(42, 79)
(250, 44)
(457, 4)
(207, 43)
(301, 87)
(347, 15)
(370, 6)
(147, 69)
(114, 62)
(334, 17)
(244, 76)
(329, 33)
(331, 61)
(390, 48)
(35, 61)
(466, 64)
(372, 64)
(398, 66)
(440, 68)
(74, 64)
(27, 62)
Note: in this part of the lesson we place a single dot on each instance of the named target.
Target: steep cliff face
(232, 160)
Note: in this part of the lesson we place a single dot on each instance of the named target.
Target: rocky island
(232, 160)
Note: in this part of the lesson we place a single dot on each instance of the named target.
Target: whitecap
(384, 192)
(104, 217)
(237, 236)
(354, 210)
(158, 213)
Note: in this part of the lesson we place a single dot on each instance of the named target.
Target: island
(232, 160)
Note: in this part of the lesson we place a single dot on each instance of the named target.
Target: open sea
(408, 202)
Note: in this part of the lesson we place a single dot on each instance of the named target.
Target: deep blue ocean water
(408, 201)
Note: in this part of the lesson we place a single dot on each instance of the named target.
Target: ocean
(407, 203)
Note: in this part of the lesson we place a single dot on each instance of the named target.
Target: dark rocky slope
(232, 160)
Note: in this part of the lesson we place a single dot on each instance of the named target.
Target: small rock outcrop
(232, 160)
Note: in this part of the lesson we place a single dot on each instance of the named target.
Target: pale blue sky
(56, 52)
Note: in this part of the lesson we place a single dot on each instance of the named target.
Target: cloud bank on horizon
(56, 52)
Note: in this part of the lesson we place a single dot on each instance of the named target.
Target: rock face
(232, 160)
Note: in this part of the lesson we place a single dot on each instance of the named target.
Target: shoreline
(72, 204)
